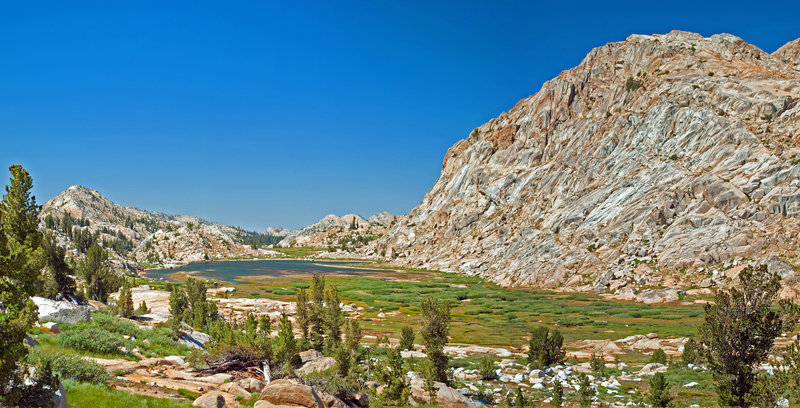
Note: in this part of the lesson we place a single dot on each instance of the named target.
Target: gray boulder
(194, 339)
(61, 311)
(60, 397)
(652, 369)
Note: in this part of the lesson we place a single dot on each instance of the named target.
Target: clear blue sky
(257, 113)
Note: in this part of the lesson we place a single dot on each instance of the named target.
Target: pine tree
(353, 336)
(21, 261)
(689, 355)
(392, 373)
(316, 312)
(143, 309)
(178, 306)
(545, 348)
(265, 325)
(406, 338)
(429, 381)
(333, 319)
(659, 356)
(343, 361)
(202, 310)
(285, 343)
(659, 395)
(557, 398)
(739, 330)
(66, 225)
(519, 399)
(487, 368)
(598, 365)
(434, 330)
(301, 316)
(586, 392)
(99, 280)
(125, 305)
(58, 279)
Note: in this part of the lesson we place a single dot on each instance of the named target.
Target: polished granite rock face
(655, 161)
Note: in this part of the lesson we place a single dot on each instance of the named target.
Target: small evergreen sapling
(586, 392)
(545, 348)
(407, 338)
(659, 395)
(557, 395)
(659, 356)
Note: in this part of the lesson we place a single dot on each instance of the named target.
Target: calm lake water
(229, 271)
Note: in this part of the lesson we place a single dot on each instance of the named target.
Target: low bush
(93, 340)
(659, 356)
(71, 366)
(487, 369)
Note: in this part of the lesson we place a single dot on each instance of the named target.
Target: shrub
(557, 399)
(586, 392)
(487, 369)
(143, 309)
(407, 338)
(659, 395)
(92, 340)
(575, 321)
(690, 355)
(125, 302)
(435, 329)
(632, 84)
(598, 365)
(545, 348)
(739, 331)
(659, 356)
(71, 366)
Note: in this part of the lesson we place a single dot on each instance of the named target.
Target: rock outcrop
(660, 155)
(287, 392)
(347, 232)
(446, 397)
(61, 311)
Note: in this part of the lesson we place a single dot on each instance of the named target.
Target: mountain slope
(347, 232)
(133, 235)
(655, 160)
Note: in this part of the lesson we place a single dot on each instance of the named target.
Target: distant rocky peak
(789, 53)
(656, 154)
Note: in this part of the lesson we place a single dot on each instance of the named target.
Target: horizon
(258, 115)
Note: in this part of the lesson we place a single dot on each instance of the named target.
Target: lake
(230, 271)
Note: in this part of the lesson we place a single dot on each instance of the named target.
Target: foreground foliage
(545, 348)
(738, 334)
(21, 260)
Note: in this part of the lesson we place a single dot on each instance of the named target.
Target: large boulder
(235, 389)
(267, 404)
(286, 392)
(61, 311)
(251, 384)
(320, 364)
(309, 355)
(216, 399)
(194, 339)
(658, 296)
(652, 369)
(446, 397)
(60, 398)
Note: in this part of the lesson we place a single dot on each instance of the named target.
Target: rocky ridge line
(659, 160)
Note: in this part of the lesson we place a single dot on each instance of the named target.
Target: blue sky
(260, 113)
